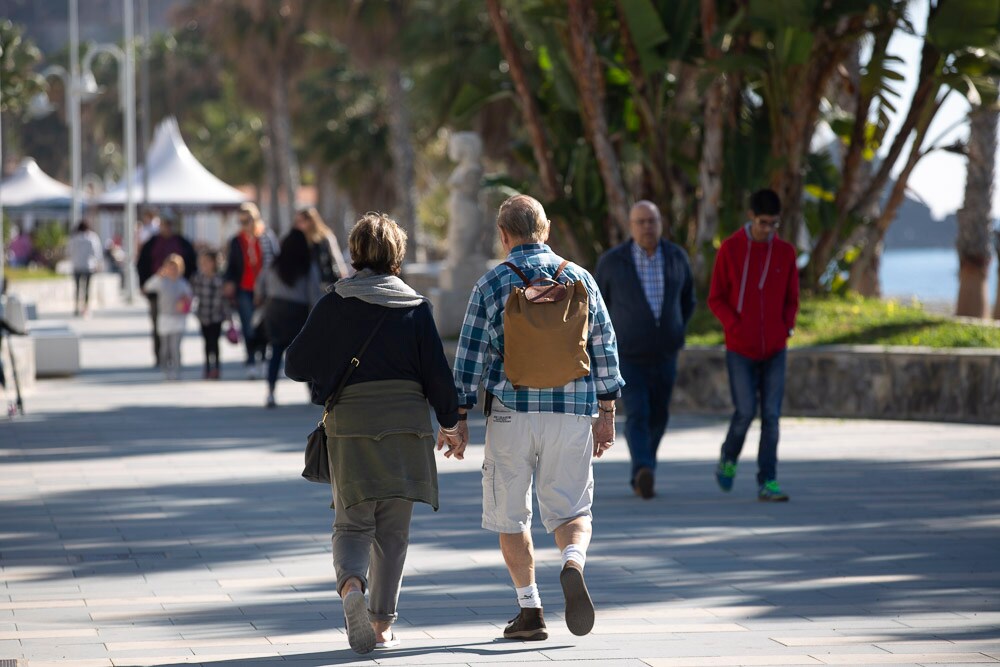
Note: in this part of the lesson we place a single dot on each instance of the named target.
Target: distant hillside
(915, 227)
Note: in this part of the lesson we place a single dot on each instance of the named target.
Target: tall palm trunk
(864, 277)
(284, 151)
(533, 121)
(589, 82)
(974, 219)
(710, 167)
(403, 157)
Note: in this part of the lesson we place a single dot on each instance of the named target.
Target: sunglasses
(773, 222)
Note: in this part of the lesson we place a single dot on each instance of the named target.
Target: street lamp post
(84, 84)
(129, 94)
(73, 107)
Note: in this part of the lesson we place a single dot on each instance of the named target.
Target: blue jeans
(748, 380)
(646, 396)
(244, 306)
(274, 365)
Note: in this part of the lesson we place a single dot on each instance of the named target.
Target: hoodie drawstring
(746, 268)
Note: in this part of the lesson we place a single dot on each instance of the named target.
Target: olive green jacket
(381, 443)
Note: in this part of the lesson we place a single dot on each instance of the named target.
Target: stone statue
(465, 224)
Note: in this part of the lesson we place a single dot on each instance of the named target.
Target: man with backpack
(538, 337)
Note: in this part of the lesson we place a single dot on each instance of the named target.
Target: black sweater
(406, 347)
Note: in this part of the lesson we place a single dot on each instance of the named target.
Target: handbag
(232, 333)
(317, 468)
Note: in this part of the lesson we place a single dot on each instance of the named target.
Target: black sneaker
(579, 606)
(528, 625)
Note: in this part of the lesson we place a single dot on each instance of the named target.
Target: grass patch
(855, 320)
(18, 274)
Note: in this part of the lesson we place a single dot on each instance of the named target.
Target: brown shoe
(579, 606)
(528, 625)
(644, 483)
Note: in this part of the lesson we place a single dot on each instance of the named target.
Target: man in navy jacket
(646, 283)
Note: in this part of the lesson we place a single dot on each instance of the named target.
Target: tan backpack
(545, 326)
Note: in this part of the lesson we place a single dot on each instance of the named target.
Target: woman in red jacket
(755, 295)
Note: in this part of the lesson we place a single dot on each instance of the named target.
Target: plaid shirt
(480, 343)
(650, 270)
(211, 307)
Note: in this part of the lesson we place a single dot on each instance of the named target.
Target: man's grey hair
(523, 218)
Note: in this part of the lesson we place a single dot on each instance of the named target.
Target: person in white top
(85, 253)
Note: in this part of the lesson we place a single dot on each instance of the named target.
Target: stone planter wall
(860, 382)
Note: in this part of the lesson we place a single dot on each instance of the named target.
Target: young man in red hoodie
(755, 295)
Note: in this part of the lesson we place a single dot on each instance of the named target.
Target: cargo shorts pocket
(489, 490)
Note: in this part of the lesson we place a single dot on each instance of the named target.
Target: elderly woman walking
(379, 433)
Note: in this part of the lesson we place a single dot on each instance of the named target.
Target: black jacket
(144, 266)
(406, 347)
(640, 339)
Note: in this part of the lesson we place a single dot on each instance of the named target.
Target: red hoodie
(755, 293)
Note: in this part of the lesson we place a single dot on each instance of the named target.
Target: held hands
(604, 430)
(457, 438)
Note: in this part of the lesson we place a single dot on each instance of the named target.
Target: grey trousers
(170, 351)
(369, 542)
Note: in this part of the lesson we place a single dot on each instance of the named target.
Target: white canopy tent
(176, 178)
(177, 181)
(29, 189)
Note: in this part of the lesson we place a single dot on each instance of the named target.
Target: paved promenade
(152, 523)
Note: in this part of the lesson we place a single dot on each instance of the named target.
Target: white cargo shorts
(555, 450)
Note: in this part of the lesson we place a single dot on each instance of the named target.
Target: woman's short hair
(377, 243)
(523, 217)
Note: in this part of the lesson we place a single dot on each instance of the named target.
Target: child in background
(211, 308)
(173, 304)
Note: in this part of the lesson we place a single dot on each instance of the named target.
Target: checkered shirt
(650, 270)
(211, 306)
(480, 343)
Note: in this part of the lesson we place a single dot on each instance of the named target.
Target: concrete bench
(57, 348)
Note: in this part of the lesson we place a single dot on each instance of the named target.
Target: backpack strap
(524, 278)
(519, 272)
(562, 266)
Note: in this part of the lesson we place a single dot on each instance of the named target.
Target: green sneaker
(770, 492)
(725, 472)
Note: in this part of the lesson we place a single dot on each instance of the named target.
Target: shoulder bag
(317, 468)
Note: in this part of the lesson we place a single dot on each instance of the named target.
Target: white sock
(528, 597)
(575, 553)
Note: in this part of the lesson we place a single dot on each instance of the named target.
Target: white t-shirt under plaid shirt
(480, 344)
(650, 270)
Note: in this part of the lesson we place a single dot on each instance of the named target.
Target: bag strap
(354, 363)
(524, 278)
(519, 272)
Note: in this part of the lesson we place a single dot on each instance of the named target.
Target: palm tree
(18, 58)
(974, 218)
(261, 41)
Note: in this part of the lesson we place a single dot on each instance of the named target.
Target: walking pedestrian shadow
(397, 655)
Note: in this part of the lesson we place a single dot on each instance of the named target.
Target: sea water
(929, 274)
